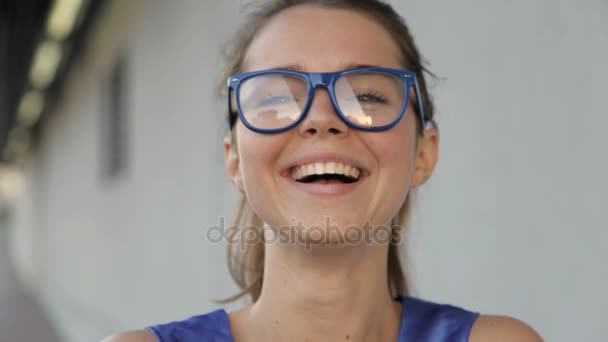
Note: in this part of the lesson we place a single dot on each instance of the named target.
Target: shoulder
(131, 336)
(211, 326)
(502, 328)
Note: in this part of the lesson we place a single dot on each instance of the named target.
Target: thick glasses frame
(328, 81)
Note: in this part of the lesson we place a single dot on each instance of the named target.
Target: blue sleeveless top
(420, 321)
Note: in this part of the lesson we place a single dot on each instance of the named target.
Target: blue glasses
(366, 98)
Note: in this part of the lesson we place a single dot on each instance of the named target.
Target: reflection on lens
(370, 99)
(272, 101)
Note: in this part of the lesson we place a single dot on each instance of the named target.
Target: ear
(427, 154)
(232, 163)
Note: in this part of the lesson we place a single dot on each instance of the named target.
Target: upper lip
(322, 157)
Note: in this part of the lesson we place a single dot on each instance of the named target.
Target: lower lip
(328, 189)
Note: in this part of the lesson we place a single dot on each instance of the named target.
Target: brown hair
(246, 263)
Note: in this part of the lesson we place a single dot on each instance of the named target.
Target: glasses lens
(272, 101)
(370, 99)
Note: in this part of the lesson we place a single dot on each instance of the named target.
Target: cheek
(395, 150)
(396, 165)
(258, 154)
(395, 154)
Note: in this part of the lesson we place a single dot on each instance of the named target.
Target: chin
(330, 230)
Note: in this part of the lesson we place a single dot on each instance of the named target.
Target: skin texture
(334, 292)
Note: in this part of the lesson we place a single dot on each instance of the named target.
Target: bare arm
(502, 328)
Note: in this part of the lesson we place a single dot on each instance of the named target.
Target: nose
(322, 118)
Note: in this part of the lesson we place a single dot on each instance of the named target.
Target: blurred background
(112, 163)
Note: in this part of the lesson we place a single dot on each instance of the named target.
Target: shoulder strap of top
(426, 321)
(212, 327)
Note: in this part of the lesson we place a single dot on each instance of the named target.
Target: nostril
(334, 130)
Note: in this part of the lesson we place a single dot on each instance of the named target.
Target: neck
(327, 293)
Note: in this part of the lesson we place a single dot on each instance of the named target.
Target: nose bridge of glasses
(321, 81)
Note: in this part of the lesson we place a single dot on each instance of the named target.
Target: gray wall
(513, 220)
(509, 224)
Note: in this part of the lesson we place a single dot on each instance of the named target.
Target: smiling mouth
(326, 173)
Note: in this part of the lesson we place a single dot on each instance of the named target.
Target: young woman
(331, 130)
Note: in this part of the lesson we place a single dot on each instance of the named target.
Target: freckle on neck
(348, 337)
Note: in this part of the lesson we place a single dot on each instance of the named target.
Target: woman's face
(317, 39)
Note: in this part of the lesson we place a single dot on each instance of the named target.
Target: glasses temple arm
(426, 124)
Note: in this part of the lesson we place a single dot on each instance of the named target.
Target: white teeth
(340, 168)
(319, 168)
(310, 170)
(302, 171)
(347, 169)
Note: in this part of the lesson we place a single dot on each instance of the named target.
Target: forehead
(321, 39)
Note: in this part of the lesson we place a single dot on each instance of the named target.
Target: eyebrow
(301, 68)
